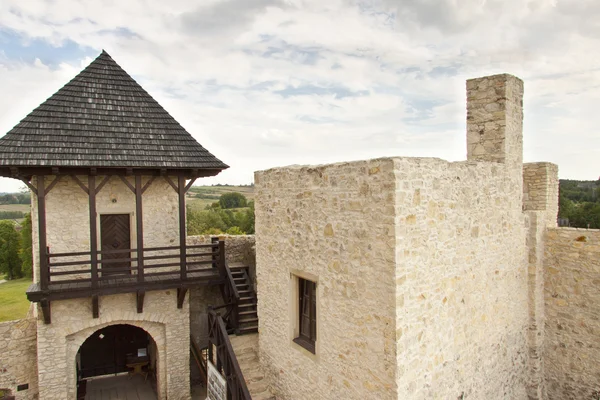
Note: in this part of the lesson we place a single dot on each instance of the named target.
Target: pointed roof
(103, 118)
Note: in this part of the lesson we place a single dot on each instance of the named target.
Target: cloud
(262, 83)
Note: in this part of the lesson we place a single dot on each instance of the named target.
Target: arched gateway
(109, 169)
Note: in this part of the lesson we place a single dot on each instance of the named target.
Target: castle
(391, 278)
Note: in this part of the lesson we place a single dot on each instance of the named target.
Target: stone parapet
(572, 302)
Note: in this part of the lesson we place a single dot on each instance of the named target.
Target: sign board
(217, 385)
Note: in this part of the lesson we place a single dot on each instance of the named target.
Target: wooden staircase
(247, 317)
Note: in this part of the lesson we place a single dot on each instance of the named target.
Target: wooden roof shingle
(103, 118)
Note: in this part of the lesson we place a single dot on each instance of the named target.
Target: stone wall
(572, 300)
(72, 323)
(540, 189)
(238, 249)
(461, 299)
(333, 224)
(18, 357)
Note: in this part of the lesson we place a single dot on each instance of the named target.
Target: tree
(10, 264)
(232, 200)
(26, 252)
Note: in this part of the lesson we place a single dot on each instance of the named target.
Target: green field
(14, 303)
(15, 207)
(201, 196)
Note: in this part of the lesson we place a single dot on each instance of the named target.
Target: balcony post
(139, 218)
(182, 228)
(44, 266)
(93, 230)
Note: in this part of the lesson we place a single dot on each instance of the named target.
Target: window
(307, 314)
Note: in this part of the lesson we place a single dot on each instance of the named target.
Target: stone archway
(155, 330)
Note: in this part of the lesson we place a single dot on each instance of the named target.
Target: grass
(12, 297)
(15, 207)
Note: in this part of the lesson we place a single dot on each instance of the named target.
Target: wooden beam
(182, 226)
(95, 306)
(81, 185)
(126, 182)
(181, 296)
(170, 182)
(147, 185)
(28, 172)
(189, 185)
(46, 311)
(139, 219)
(140, 301)
(93, 230)
(41, 200)
(54, 182)
(29, 185)
(104, 182)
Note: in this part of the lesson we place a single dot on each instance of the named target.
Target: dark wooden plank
(81, 185)
(93, 230)
(41, 198)
(182, 227)
(181, 296)
(53, 183)
(29, 185)
(140, 301)
(46, 311)
(189, 185)
(104, 182)
(170, 182)
(95, 307)
(139, 219)
(126, 182)
(147, 185)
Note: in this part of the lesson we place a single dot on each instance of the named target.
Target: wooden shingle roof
(103, 118)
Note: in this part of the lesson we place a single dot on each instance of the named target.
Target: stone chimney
(495, 120)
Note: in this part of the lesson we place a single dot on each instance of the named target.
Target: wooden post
(41, 199)
(182, 227)
(214, 241)
(93, 230)
(222, 269)
(139, 218)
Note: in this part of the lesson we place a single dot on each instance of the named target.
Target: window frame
(307, 314)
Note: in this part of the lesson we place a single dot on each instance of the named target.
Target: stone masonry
(572, 299)
(419, 264)
(72, 323)
(18, 357)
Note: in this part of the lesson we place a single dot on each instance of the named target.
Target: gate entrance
(115, 349)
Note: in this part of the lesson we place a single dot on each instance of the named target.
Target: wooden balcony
(87, 274)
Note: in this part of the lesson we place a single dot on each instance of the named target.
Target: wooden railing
(144, 265)
(226, 361)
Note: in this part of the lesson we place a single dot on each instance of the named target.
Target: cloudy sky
(264, 83)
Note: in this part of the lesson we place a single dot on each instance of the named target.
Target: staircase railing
(231, 296)
(226, 361)
(199, 358)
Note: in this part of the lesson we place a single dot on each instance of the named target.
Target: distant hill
(199, 197)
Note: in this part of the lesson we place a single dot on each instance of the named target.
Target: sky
(267, 83)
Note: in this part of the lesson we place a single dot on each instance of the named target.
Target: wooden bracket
(29, 185)
(170, 182)
(95, 306)
(129, 185)
(181, 296)
(81, 185)
(147, 185)
(189, 185)
(140, 301)
(46, 310)
(54, 182)
(104, 182)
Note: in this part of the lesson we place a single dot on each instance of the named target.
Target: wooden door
(115, 235)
